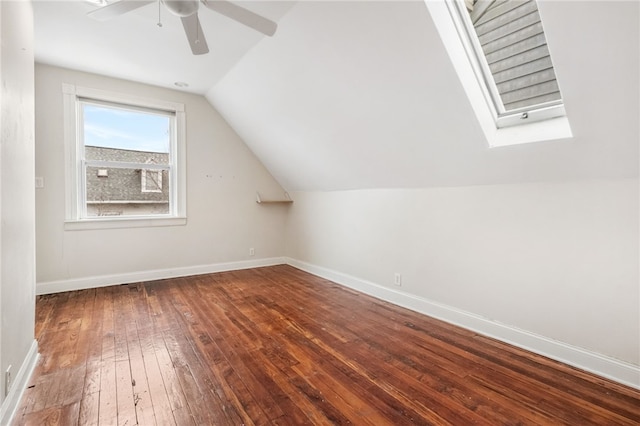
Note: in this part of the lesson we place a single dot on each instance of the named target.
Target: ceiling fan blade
(194, 33)
(118, 8)
(242, 15)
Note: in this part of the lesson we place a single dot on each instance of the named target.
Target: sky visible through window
(118, 128)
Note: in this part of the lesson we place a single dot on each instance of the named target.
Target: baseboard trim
(158, 274)
(10, 404)
(610, 368)
(619, 371)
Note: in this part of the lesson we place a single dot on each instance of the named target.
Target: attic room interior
(344, 218)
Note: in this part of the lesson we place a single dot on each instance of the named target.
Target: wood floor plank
(232, 347)
(88, 348)
(276, 345)
(214, 384)
(139, 379)
(125, 396)
(46, 306)
(196, 394)
(108, 406)
(89, 409)
(170, 378)
(53, 416)
(147, 336)
(358, 379)
(466, 400)
(218, 338)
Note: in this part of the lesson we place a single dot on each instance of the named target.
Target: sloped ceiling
(359, 94)
(362, 94)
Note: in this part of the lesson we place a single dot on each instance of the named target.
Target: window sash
(466, 32)
(83, 163)
(125, 106)
(126, 165)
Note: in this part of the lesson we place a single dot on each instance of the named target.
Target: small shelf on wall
(285, 200)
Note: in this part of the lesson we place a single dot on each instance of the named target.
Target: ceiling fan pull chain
(159, 14)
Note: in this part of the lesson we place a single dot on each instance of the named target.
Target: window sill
(540, 131)
(129, 222)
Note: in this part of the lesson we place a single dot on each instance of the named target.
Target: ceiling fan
(187, 10)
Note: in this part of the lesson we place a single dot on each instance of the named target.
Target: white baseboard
(20, 381)
(158, 274)
(601, 365)
(619, 371)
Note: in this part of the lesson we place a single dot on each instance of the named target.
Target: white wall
(558, 260)
(224, 220)
(362, 94)
(17, 232)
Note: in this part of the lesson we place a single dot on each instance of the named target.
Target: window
(151, 180)
(500, 53)
(125, 161)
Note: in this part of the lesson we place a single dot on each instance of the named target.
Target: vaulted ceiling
(362, 94)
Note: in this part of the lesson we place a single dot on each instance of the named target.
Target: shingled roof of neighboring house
(122, 184)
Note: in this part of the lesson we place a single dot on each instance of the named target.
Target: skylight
(499, 51)
(510, 48)
(515, 47)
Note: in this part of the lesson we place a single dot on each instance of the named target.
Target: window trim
(549, 122)
(73, 128)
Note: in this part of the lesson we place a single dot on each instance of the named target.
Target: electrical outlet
(252, 251)
(7, 381)
(397, 279)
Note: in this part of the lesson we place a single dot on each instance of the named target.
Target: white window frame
(548, 122)
(75, 200)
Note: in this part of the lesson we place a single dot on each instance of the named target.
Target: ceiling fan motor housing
(182, 8)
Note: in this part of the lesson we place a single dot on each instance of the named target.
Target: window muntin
(507, 48)
(95, 156)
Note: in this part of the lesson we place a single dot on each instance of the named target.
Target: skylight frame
(478, 61)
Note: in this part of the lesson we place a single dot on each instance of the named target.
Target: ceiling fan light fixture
(182, 8)
(187, 11)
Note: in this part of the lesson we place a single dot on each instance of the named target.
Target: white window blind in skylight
(511, 55)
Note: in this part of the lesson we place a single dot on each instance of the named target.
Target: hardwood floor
(279, 346)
